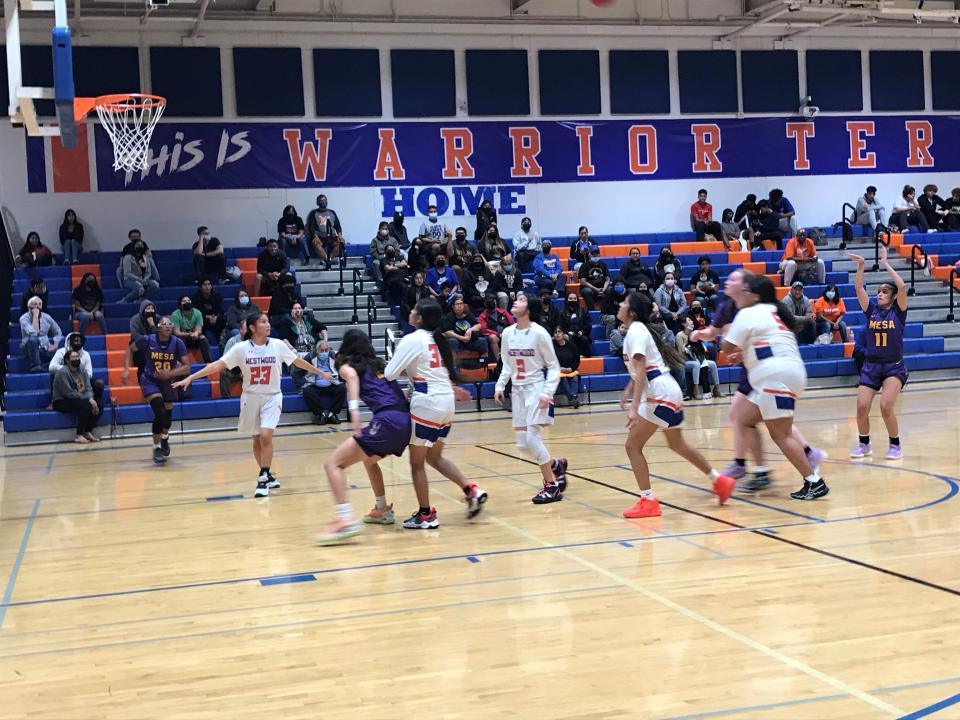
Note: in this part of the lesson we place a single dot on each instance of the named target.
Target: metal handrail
(877, 234)
(952, 279)
(390, 341)
(371, 314)
(342, 263)
(844, 222)
(912, 290)
(357, 290)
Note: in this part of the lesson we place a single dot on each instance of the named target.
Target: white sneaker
(708, 396)
(382, 516)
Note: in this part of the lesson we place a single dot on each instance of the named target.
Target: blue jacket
(433, 278)
(547, 264)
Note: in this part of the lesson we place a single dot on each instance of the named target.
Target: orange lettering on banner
(308, 157)
(388, 165)
(706, 143)
(584, 134)
(800, 131)
(457, 149)
(649, 135)
(858, 158)
(526, 148)
(920, 136)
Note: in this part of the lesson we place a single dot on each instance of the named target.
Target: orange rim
(83, 106)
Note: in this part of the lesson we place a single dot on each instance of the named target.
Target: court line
(931, 709)
(703, 620)
(15, 570)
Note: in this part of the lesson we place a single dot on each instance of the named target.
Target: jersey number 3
(435, 360)
(779, 321)
(260, 375)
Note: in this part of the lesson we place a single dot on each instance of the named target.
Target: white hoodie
(57, 361)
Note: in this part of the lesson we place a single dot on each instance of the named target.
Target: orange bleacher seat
(78, 271)
(848, 349)
(117, 341)
(248, 280)
(115, 358)
(93, 327)
(621, 250)
(723, 360)
(695, 248)
(247, 264)
(782, 292)
(738, 258)
(127, 394)
(757, 268)
(215, 388)
(771, 245)
(591, 366)
(561, 252)
(261, 301)
(114, 373)
(896, 239)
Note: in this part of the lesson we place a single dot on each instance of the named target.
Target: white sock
(164, 436)
(344, 511)
(760, 468)
(713, 474)
(381, 502)
(648, 494)
(813, 478)
(156, 445)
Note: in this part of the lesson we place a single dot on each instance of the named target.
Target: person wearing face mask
(580, 247)
(548, 270)
(460, 251)
(88, 303)
(398, 231)
(188, 326)
(326, 397)
(229, 376)
(139, 274)
(462, 330)
(440, 276)
(209, 260)
(491, 246)
(569, 358)
(71, 237)
(610, 305)
(493, 321)
(671, 301)
(324, 232)
(434, 234)
(486, 216)
(799, 305)
(72, 394)
(72, 342)
(417, 291)
(283, 299)
(507, 282)
(594, 278)
(378, 250)
(210, 305)
(393, 270)
(241, 307)
(634, 272)
(300, 332)
(695, 356)
(34, 253)
(271, 264)
(667, 263)
(38, 288)
(829, 310)
(705, 284)
(290, 230)
(526, 245)
(477, 281)
(550, 318)
(40, 336)
(576, 325)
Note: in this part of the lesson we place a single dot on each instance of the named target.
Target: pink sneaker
(895, 453)
(861, 451)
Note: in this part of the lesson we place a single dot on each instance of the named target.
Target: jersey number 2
(521, 369)
(435, 360)
(260, 375)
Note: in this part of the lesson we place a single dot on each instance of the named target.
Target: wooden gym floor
(132, 591)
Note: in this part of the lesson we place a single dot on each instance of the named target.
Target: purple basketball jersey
(884, 333)
(160, 356)
(377, 392)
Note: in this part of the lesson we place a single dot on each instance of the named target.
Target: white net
(129, 121)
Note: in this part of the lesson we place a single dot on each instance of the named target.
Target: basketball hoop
(129, 120)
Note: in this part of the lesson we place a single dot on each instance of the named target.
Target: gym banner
(227, 155)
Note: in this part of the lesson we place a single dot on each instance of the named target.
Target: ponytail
(787, 317)
(431, 316)
(641, 307)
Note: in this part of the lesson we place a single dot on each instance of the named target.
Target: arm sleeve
(551, 363)
(56, 362)
(405, 353)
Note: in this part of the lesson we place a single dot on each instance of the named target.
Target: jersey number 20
(260, 375)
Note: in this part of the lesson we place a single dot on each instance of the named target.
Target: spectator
(210, 305)
(486, 216)
(38, 288)
(952, 206)
(493, 321)
(393, 270)
(460, 250)
(829, 310)
(610, 305)
(906, 212)
(463, 331)
(526, 245)
(71, 238)
(657, 325)
(933, 207)
(746, 213)
(569, 359)
(398, 231)
(439, 276)
(271, 264)
(144, 322)
(594, 278)
(34, 253)
(671, 301)
(414, 294)
(378, 251)
(705, 284)
(783, 209)
(76, 341)
(228, 376)
(698, 315)
(576, 325)
(580, 247)
(325, 233)
(801, 256)
(551, 314)
(491, 245)
(476, 281)
(447, 296)
(731, 233)
(284, 297)
(433, 234)
(40, 335)
(870, 211)
(799, 305)
(701, 218)
(88, 303)
(548, 270)
(302, 333)
(188, 326)
(507, 282)
(241, 307)
(667, 263)
(72, 394)
(134, 241)
(616, 340)
(209, 260)
(324, 397)
(767, 227)
(634, 272)
(291, 231)
(696, 360)
(139, 274)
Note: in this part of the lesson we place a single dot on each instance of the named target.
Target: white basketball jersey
(760, 333)
(418, 356)
(639, 341)
(526, 354)
(261, 365)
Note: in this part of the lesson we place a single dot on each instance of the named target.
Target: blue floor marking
(15, 570)
(473, 558)
(50, 461)
(931, 709)
(288, 579)
(219, 498)
(626, 544)
(354, 487)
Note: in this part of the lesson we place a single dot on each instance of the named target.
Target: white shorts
(777, 388)
(258, 412)
(662, 403)
(525, 401)
(432, 417)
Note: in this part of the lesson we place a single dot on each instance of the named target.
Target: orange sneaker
(644, 508)
(723, 486)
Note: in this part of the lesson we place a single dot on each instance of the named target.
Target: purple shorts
(158, 387)
(872, 374)
(387, 433)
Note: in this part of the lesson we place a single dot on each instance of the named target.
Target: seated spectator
(594, 278)
(446, 297)
(701, 218)
(38, 288)
(302, 333)
(71, 238)
(907, 212)
(143, 323)
(460, 251)
(271, 264)
(292, 233)
(325, 233)
(870, 211)
(548, 270)
(616, 340)
(576, 325)
(952, 206)
(507, 282)
(783, 209)
(72, 394)
(671, 301)
(580, 247)
(434, 234)
(657, 325)
(34, 253)
(705, 284)
(829, 310)
(209, 260)
(228, 376)
(610, 305)
(75, 342)
(526, 245)
(493, 321)
(398, 231)
(241, 307)
(135, 243)
(634, 272)
(393, 270)
(413, 294)
(746, 213)
(696, 361)
(439, 276)
(325, 398)
(40, 335)
(88, 303)
(188, 326)
(210, 305)
(284, 297)
(491, 246)
(551, 315)
(486, 216)
(801, 257)
(569, 359)
(933, 207)
(667, 263)
(699, 316)
(766, 227)
(475, 281)
(463, 331)
(802, 310)
(731, 233)
(378, 251)
(139, 273)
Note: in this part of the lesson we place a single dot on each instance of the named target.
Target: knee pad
(535, 445)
